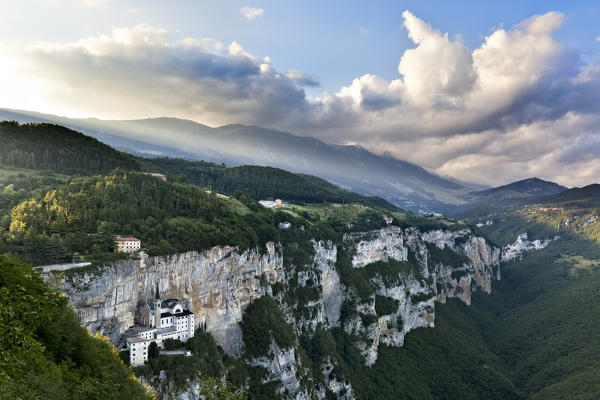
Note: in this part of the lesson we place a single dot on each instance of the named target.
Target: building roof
(183, 313)
(145, 330)
(129, 239)
(169, 303)
(162, 331)
(137, 339)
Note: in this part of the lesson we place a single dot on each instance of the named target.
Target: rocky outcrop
(515, 250)
(332, 296)
(379, 246)
(283, 366)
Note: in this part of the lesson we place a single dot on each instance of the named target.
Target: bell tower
(157, 309)
(157, 312)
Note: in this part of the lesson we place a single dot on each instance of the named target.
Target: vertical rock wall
(219, 283)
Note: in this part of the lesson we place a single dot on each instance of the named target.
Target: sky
(489, 92)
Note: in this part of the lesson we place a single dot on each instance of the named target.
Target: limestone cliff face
(416, 291)
(220, 283)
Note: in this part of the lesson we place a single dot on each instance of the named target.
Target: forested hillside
(539, 325)
(85, 215)
(262, 182)
(54, 147)
(575, 211)
(356, 169)
(46, 353)
(541, 320)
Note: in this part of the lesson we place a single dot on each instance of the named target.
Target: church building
(166, 319)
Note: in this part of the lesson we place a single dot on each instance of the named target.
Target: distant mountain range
(524, 189)
(503, 198)
(52, 147)
(350, 167)
(353, 168)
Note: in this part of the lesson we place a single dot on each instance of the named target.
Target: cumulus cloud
(520, 104)
(141, 71)
(438, 71)
(303, 79)
(252, 12)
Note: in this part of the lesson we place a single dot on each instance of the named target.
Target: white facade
(271, 204)
(156, 175)
(128, 244)
(138, 350)
(168, 320)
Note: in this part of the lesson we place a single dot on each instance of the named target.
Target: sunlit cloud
(252, 12)
(519, 104)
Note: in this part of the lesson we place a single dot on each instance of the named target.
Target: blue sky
(334, 40)
(482, 91)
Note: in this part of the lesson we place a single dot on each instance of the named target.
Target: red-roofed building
(128, 244)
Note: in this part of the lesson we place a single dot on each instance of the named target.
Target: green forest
(54, 207)
(46, 353)
(54, 147)
(262, 182)
(82, 218)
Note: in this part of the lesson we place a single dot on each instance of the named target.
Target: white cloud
(252, 12)
(302, 79)
(141, 71)
(438, 71)
(518, 105)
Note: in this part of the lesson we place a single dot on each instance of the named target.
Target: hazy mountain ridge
(525, 188)
(352, 167)
(50, 147)
(515, 194)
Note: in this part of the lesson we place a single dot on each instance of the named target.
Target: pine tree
(105, 237)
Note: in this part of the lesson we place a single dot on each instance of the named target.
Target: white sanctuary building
(167, 320)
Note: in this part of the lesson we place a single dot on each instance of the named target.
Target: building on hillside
(159, 176)
(270, 203)
(127, 244)
(166, 319)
